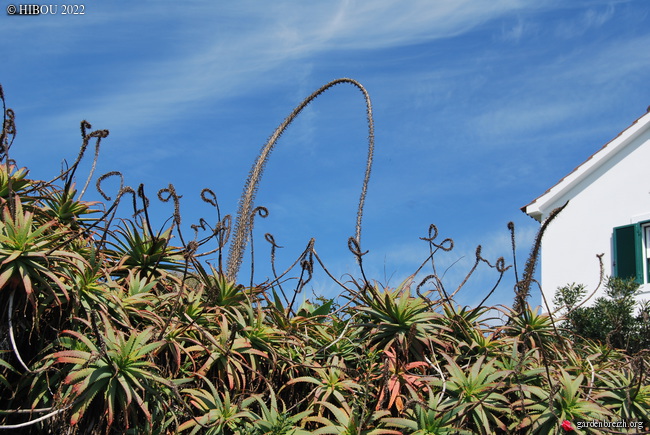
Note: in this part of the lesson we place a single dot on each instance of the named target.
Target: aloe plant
(348, 420)
(30, 264)
(114, 378)
(146, 254)
(429, 418)
(218, 413)
(14, 177)
(549, 409)
(66, 209)
(395, 319)
(329, 383)
(625, 394)
(274, 419)
(478, 393)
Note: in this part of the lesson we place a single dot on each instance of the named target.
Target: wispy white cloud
(386, 23)
(592, 18)
(520, 117)
(227, 60)
(514, 33)
(545, 97)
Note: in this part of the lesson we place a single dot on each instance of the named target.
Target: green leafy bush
(611, 319)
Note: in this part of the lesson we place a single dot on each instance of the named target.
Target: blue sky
(479, 108)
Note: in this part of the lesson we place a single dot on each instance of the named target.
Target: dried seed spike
(99, 134)
(202, 225)
(171, 191)
(511, 227)
(355, 248)
(8, 129)
(85, 125)
(269, 238)
(98, 185)
(70, 173)
(212, 200)
(145, 206)
(522, 288)
(433, 233)
(11, 126)
(246, 202)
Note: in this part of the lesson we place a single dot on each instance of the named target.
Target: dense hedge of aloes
(107, 327)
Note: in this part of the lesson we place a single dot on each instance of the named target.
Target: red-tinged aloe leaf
(143, 405)
(394, 393)
(6, 275)
(41, 227)
(161, 380)
(132, 379)
(80, 407)
(110, 395)
(79, 336)
(95, 387)
(27, 282)
(11, 257)
(56, 281)
(90, 375)
(76, 416)
(144, 350)
(128, 390)
(257, 352)
(309, 379)
(71, 356)
(7, 366)
(80, 387)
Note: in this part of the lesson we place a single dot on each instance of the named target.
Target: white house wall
(615, 194)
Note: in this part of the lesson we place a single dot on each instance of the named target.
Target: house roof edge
(535, 208)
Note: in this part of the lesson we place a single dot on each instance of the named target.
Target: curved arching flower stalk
(246, 203)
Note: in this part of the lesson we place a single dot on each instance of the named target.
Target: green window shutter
(628, 254)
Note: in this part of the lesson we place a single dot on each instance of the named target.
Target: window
(632, 252)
